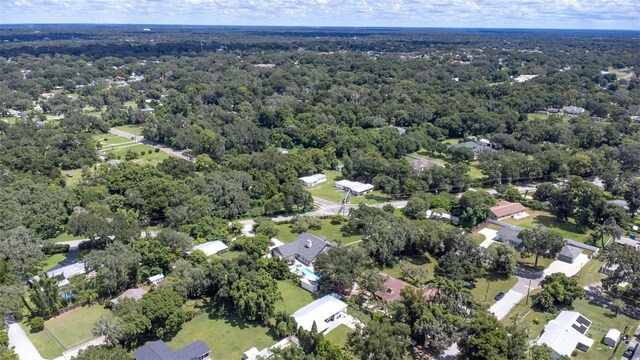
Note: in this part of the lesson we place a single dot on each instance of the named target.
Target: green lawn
(332, 232)
(339, 335)
(474, 169)
(65, 237)
(452, 141)
(131, 129)
(76, 176)
(426, 261)
(619, 74)
(109, 140)
(50, 262)
(590, 273)
(569, 229)
(327, 190)
(228, 337)
(150, 157)
(293, 297)
(10, 119)
(487, 287)
(71, 329)
(540, 116)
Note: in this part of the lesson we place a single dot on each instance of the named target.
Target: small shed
(612, 337)
(568, 254)
(156, 279)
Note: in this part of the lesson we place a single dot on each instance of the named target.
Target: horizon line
(325, 26)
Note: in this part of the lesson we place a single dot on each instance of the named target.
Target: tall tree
(541, 241)
(381, 340)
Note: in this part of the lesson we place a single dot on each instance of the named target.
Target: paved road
(21, 343)
(141, 139)
(596, 296)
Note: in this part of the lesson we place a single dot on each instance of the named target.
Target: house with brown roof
(504, 209)
(392, 287)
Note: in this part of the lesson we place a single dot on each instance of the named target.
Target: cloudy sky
(576, 14)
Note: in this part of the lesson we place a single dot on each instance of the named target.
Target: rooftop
(318, 311)
(391, 288)
(355, 186)
(565, 332)
(421, 164)
(306, 247)
(209, 248)
(158, 350)
(133, 294)
(504, 208)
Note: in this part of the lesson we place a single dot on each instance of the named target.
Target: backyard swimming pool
(309, 274)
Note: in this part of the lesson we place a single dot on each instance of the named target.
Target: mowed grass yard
(131, 129)
(293, 297)
(339, 335)
(71, 329)
(540, 116)
(119, 146)
(603, 319)
(332, 232)
(425, 261)
(474, 167)
(327, 190)
(489, 286)
(73, 179)
(569, 229)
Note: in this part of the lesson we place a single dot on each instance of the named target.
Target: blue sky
(573, 14)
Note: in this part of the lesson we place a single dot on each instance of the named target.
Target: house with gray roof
(305, 248)
(420, 164)
(568, 254)
(158, 350)
(135, 294)
(509, 234)
(477, 147)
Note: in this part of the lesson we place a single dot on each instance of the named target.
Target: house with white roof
(322, 312)
(356, 188)
(64, 273)
(313, 180)
(156, 279)
(210, 248)
(255, 354)
(566, 333)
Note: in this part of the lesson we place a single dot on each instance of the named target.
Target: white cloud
(419, 13)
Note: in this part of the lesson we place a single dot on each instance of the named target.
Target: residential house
(509, 234)
(282, 150)
(431, 214)
(64, 273)
(210, 248)
(158, 350)
(255, 354)
(322, 312)
(135, 294)
(400, 130)
(114, 162)
(572, 110)
(566, 333)
(627, 241)
(148, 111)
(475, 146)
(620, 203)
(339, 167)
(391, 288)
(313, 180)
(568, 254)
(156, 279)
(504, 209)
(422, 164)
(356, 188)
(305, 248)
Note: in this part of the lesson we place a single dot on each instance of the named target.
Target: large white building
(566, 333)
(210, 248)
(357, 188)
(322, 311)
(313, 180)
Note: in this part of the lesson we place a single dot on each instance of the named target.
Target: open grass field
(67, 330)
(74, 179)
(327, 190)
(487, 287)
(590, 273)
(339, 335)
(109, 140)
(619, 74)
(539, 116)
(10, 119)
(425, 261)
(332, 232)
(131, 129)
(569, 229)
(474, 170)
(228, 337)
(65, 237)
(603, 319)
(293, 297)
(50, 262)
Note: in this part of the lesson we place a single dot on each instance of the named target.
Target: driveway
(566, 268)
(21, 343)
(502, 307)
(489, 235)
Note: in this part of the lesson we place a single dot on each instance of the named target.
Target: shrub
(337, 219)
(37, 324)
(50, 248)
(157, 150)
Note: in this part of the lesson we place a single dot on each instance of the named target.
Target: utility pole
(528, 291)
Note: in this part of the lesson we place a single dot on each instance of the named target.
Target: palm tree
(619, 304)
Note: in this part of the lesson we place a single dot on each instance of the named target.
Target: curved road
(141, 139)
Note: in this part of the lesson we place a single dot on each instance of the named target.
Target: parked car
(628, 352)
(499, 296)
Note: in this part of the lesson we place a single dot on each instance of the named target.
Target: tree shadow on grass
(552, 223)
